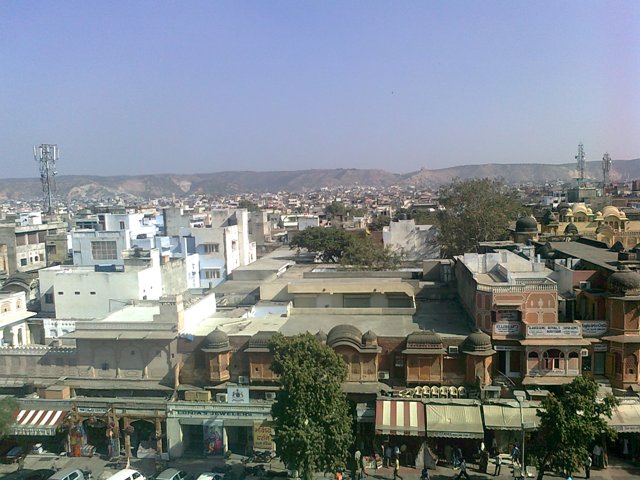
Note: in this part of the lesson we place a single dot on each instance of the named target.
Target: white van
(68, 474)
(127, 474)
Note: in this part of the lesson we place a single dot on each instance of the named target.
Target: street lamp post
(520, 397)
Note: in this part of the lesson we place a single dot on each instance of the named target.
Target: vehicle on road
(173, 474)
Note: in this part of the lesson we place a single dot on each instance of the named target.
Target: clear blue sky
(131, 87)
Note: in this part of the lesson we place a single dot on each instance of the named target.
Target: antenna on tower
(47, 155)
(580, 164)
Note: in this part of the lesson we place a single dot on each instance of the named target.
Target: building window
(104, 250)
(92, 293)
(356, 301)
(77, 293)
(23, 262)
(60, 293)
(211, 273)
(121, 225)
(52, 249)
(551, 359)
(48, 298)
(211, 247)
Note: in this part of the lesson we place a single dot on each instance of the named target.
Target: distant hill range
(136, 187)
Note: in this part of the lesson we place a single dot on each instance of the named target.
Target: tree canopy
(8, 406)
(249, 205)
(475, 210)
(340, 209)
(570, 424)
(333, 245)
(313, 426)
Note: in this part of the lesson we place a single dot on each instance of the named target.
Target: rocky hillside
(155, 186)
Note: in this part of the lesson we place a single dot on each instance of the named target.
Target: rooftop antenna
(580, 164)
(47, 155)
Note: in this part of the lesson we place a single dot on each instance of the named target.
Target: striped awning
(399, 417)
(37, 422)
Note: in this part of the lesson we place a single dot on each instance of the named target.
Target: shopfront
(504, 423)
(43, 426)
(453, 424)
(401, 423)
(211, 429)
(625, 420)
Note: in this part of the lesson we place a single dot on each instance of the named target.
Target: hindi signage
(555, 330)
(508, 315)
(262, 437)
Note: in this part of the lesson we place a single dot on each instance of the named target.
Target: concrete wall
(81, 245)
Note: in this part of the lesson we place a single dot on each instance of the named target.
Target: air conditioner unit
(204, 396)
(243, 380)
(190, 395)
(221, 397)
(585, 285)
(453, 349)
(584, 352)
(490, 392)
(383, 375)
(271, 396)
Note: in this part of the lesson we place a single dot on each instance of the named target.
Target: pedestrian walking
(515, 454)
(425, 474)
(387, 456)
(587, 467)
(463, 470)
(396, 468)
(356, 464)
(498, 465)
(597, 455)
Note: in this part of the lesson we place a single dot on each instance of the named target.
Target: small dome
(617, 247)
(549, 218)
(568, 212)
(611, 211)
(527, 225)
(424, 339)
(344, 333)
(321, 336)
(589, 211)
(369, 338)
(563, 206)
(546, 251)
(580, 208)
(571, 229)
(623, 281)
(599, 217)
(216, 340)
(478, 343)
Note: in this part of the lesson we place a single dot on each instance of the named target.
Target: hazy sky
(131, 87)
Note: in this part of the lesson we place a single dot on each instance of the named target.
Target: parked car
(173, 474)
(127, 474)
(211, 476)
(68, 474)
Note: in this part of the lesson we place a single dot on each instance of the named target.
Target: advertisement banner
(213, 435)
(262, 437)
(237, 394)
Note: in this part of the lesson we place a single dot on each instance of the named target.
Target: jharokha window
(552, 359)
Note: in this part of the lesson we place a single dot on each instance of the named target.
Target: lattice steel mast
(47, 155)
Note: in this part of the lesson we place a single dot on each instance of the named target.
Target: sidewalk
(618, 469)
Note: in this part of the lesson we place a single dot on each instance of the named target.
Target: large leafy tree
(8, 407)
(333, 245)
(570, 424)
(313, 426)
(475, 210)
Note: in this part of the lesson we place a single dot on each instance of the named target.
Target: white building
(13, 319)
(83, 292)
(417, 242)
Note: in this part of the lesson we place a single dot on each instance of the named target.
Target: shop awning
(37, 422)
(454, 421)
(399, 417)
(506, 417)
(625, 418)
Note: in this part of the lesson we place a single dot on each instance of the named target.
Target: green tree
(476, 210)
(328, 243)
(379, 222)
(335, 209)
(570, 424)
(313, 426)
(249, 205)
(8, 407)
(363, 253)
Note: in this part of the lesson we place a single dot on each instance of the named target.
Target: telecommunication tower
(580, 164)
(606, 168)
(47, 155)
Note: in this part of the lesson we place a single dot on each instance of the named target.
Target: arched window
(573, 355)
(552, 359)
(630, 365)
(533, 355)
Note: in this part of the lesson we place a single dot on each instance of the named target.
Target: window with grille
(211, 247)
(104, 250)
(211, 273)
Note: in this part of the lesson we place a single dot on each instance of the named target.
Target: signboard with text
(508, 315)
(237, 394)
(507, 328)
(555, 330)
(594, 328)
(262, 437)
